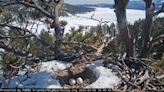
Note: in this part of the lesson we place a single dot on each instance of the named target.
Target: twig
(125, 88)
(128, 82)
(14, 50)
(146, 85)
(160, 77)
(15, 37)
(35, 5)
(100, 21)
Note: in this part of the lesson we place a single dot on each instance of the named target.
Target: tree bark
(147, 43)
(57, 27)
(120, 10)
(147, 29)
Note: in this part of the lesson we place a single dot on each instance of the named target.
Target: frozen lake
(106, 14)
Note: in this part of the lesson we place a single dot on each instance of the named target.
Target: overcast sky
(88, 1)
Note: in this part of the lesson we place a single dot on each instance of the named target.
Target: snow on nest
(53, 66)
(105, 77)
(35, 80)
(46, 77)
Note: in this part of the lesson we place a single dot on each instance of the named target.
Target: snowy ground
(47, 78)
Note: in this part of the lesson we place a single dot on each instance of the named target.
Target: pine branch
(26, 30)
(15, 37)
(14, 50)
(34, 5)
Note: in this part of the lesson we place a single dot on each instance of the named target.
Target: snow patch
(45, 78)
(105, 77)
(52, 66)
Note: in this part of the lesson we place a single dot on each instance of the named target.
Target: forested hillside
(74, 9)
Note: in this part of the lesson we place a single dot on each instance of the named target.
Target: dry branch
(135, 74)
(158, 38)
(15, 28)
(15, 37)
(100, 21)
(80, 44)
(35, 6)
(30, 33)
(159, 11)
(14, 50)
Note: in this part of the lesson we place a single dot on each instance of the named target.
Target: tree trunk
(57, 27)
(120, 10)
(147, 29)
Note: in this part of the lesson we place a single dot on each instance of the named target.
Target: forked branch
(159, 11)
(34, 5)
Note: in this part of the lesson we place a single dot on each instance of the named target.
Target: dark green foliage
(40, 50)
(93, 37)
(29, 45)
(81, 35)
(63, 23)
(161, 65)
(136, 31)
(114, 46)
(158, 29)
(8, 57)
(111, 48)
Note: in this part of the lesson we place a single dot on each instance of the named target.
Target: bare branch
(15, 67)
(35, 5)
(16, 51)
(100, 21)
(79, 43)
(160, 77)
(10, 3)
(14, 37)
(26, 30)
(15, 28)
(159, 11)
(158, 38)
(128, 82)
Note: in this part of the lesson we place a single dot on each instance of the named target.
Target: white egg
(79, 80)
(72, 81)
